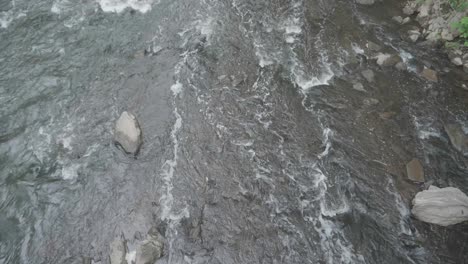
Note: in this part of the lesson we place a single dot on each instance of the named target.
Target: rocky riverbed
(268, 132)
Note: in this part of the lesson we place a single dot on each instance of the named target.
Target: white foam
(264, 59)
(357, 49)
(243, 142)
(425, 129)
(422, 134)
(70, 172)
(131, 256)
(117, 6)
(7, 17)
(205, 27)
(290, 39)
(327, 133)
(60, 6)
(168, 168)
(292, 29)
(401, 207)
(177, 88)
(306, 84)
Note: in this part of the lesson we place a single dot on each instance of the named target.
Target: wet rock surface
(415, 171)
(257, 147)
(458, 137)
(429, 75)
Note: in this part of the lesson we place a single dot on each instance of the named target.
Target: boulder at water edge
(441, 206)
(118, 250)
(128, 133)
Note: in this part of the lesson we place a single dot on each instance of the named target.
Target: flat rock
(387, 60)
(457, 137)
(415, 171)
(118, 250)
(429, 74)
(127, 133)
(441, 206)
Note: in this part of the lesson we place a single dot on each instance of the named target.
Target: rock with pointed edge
(127, 133)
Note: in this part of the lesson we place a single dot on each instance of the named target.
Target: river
(257, 148)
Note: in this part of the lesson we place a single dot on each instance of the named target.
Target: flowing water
(257, 149)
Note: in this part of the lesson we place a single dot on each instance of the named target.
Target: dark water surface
(257, 149)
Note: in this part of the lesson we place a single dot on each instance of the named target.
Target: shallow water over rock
(258, 145)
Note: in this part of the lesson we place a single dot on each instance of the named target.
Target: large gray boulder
(127, 133)
(151, 249)
(118, 250)
(458, 138)
(441, 206)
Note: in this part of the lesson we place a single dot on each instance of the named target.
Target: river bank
(437, 26)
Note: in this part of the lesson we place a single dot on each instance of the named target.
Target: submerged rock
(373, 46)
(118, 250)
(401, 66)
(441, 206)
(387, 115)
(457, 137)
(128, 133)
(151, 249)
(398, 19)
(365, 2)
(368, 75)
(430, 75)
(415, 171)
(359, 87)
